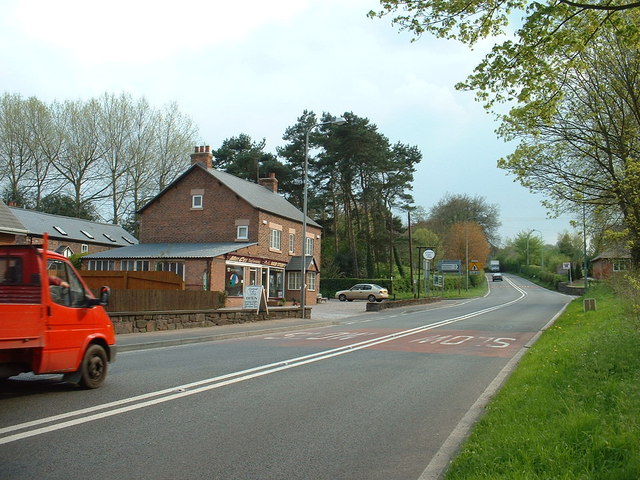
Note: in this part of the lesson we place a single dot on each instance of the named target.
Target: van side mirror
(105, 293)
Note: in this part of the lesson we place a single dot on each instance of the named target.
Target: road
(377, 397)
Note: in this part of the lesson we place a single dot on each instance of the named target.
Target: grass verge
(571, 410)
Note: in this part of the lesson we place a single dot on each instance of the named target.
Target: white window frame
(309, 245)
(242, 232)
(292, 243)
(275, 239)
(134, 265)
(293, 281)
(99, 265)
(84, 248)
(175, 267)
(197, 201)
(311, 281)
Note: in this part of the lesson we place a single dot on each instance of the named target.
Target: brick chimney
(270, 183)
(203, 156)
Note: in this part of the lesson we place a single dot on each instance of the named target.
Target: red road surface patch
(452, 342)
(462, 342)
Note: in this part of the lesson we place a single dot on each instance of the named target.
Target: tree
(245, 158)
(112, 152)
(454, 208)
(356, 179)
(522, 68)
(467, 241)
(588, 153)
(60, 204)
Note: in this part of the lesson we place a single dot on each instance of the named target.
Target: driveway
(335, 309)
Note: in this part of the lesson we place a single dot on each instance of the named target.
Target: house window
(103, 265)
(292, 243)
(134, 265)
(308, 244)
(620, 265)
(84, 248)
(293, 281)
(275, 242)
(175, 267)
(242, 232)
(196, 202)
(311, 281)
(234, 282)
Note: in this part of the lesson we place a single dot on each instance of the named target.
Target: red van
(50, 322)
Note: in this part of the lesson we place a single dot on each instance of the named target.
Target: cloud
(143, 31)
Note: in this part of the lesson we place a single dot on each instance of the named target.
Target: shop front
(242, 271)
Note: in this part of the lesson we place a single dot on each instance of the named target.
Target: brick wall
(170, 217)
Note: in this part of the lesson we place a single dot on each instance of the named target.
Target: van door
(69, 322)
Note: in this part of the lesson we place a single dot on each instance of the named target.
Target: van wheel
(93, 368)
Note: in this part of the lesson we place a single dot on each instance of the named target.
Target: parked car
(363, 291)
(496, 277)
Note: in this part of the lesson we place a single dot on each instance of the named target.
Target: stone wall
(570, 290)
(409, 302)
(142, 322)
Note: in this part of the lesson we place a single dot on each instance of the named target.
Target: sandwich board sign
(255, 299)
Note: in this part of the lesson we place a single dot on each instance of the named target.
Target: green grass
(571, 410)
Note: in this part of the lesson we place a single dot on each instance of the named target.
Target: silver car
(363, 291)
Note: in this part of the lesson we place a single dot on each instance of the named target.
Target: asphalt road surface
(384, 395)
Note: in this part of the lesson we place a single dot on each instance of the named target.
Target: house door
(265, 281)
(253, 276)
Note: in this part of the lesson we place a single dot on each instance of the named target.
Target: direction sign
(450, 265)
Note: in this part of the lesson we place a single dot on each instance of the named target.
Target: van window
(60, 274)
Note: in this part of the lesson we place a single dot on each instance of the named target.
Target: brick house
(67, 235)
(610, 262)
(222, 233)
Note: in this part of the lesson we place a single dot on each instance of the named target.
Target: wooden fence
(132, 280)
(150, 291)
(163, 300)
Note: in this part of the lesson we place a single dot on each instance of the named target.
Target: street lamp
(541, 248)
(303, 286)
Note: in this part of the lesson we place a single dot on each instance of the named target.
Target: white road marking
(85, 415)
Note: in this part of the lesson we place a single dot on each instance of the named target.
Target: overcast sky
(253, 67)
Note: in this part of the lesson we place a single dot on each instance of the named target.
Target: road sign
(566, 266)
(474, 267)
(450, 265)
(428, 254)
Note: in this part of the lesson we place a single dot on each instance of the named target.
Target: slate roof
(71, 229)
(9, 223)
(295, 263)
(256, 195)
(612, 254)
(170, 250)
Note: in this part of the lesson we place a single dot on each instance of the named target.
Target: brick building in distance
(222, 233)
